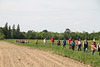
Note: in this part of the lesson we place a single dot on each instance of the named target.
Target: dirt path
(17, 56)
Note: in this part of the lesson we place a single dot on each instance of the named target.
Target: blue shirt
(64, 41)
(73, 43)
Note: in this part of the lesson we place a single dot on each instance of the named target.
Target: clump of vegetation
(2, 36)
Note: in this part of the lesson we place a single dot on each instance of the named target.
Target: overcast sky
(53, 15)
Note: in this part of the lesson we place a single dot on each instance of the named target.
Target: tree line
(8, 32)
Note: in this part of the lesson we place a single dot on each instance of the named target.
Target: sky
(53, 15)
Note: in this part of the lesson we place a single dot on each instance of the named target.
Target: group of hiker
(71, 43)
(85, 45)
(78, 43)
(22, 41)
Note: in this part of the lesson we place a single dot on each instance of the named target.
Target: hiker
(98, 47)
(64, 43)
(52, 41)
(23, 41)
(79, 45)
(85, 45)
(36, 41)
(26, 41)
(69, 41)
(93, 47)
(20, 41)
(94, 42)
(58, 42)
(73, 44)
(45, 40)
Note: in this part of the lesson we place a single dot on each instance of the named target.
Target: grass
(80, 56)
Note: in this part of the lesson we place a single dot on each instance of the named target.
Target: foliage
(2, 36)
(17, 34)
(6, 30)
(45, 31)
(9, 32)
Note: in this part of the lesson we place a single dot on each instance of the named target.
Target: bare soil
(17, 56)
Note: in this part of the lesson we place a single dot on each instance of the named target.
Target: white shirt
(44, 40)
(79, 42)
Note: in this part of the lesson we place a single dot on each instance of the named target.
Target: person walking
(79, 45)
(64, 43)
(69, 41)
(85, 45)
(93, 48)
(58, 42)
(73, 44)
(45, 40)
(36, 41)
(52, 41)
(98, 48)
(94, 42)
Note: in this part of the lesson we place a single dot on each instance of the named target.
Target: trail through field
(17, 56)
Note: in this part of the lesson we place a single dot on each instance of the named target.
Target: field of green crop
(80, 56)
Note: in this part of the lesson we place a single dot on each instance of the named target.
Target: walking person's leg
(52, 43)
(86, 50)
(92, 52)
(44, 43)
(78, 47)
(69, 46)
(64, 45)
(73, 47)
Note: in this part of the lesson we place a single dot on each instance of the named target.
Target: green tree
(6, 30)
(13, 32)
(9, 32)
(2, 36)
(44, 31)
(18, 32)
(1, 30)
(67, 33)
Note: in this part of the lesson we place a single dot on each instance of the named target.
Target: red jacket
(52, 40)
(23, 41)
(69, 40)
